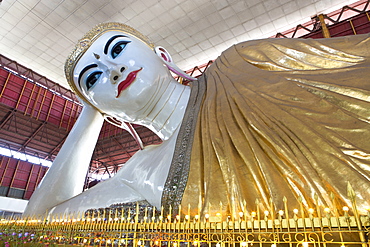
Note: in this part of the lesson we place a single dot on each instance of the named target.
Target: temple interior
(39, 110)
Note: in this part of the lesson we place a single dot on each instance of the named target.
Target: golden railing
(312, 231)
(142, 226)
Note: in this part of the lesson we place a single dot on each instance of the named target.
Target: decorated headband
(88, 39)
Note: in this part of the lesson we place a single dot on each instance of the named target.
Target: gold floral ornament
(89, 38)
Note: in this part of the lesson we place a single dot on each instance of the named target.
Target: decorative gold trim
(179, 170)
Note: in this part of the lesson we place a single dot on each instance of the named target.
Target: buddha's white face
(121, 76)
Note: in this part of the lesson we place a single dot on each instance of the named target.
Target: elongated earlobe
(126, 126)
(167, 59)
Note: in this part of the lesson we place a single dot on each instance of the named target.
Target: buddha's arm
(141, 178)
(66, 176)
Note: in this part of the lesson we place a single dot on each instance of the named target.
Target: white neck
(165, 114)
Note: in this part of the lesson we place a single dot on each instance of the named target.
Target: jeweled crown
(89, 38)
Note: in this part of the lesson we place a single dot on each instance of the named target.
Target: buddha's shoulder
(296, 42)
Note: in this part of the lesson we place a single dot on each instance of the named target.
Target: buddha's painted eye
(92, 79)
(118, 48)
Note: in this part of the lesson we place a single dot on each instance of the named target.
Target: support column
(325, 30)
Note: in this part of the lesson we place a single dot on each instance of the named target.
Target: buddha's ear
(167, 59)
(164, 54)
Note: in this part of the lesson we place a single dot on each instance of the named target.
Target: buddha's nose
(116, 74)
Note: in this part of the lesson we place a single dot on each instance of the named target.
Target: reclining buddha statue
(269, 119)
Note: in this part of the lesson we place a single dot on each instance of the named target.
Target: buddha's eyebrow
(110, 41)
(84, 70)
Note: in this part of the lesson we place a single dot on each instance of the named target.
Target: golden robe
(276, 118)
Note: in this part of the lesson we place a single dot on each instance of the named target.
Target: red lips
(127, 82)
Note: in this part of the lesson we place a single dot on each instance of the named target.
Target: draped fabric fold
(283, 118)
